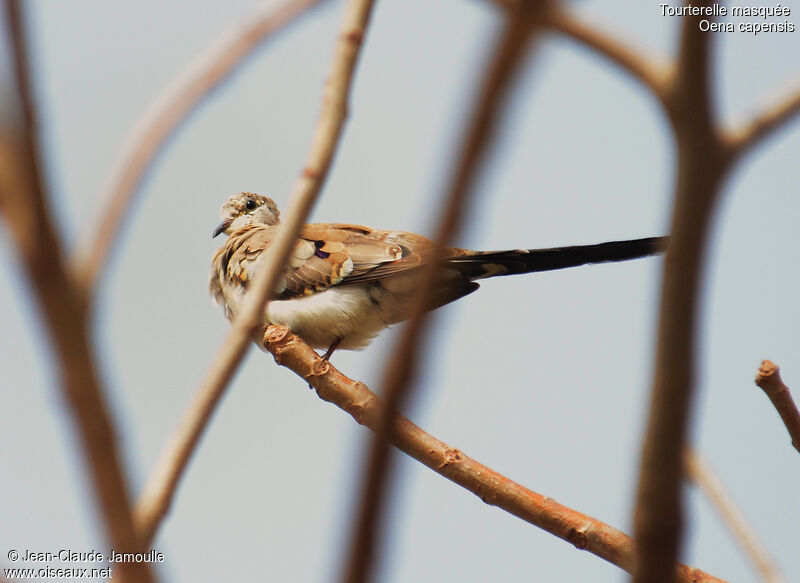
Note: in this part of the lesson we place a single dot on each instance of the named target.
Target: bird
(345, 283)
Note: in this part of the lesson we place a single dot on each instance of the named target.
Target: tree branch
(700, 472)
(24, 204)
(160, 488)
(769, 379)
(658, 518)
(166, 115)
(508, 55)
(765, 123)
(356, 399)
(653, 74)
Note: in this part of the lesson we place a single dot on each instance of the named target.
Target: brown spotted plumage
(345, 283)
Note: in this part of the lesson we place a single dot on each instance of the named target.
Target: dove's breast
(352, 313)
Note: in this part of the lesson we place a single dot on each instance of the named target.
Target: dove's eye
(250, 204)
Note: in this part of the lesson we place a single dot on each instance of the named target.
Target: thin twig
(769, 379)
(500, 73)
(356, 399)
(160, 488)
(654, 74)
(166, 115)
(700, 472)
(765, 123)
(658, 518)
(24, 204)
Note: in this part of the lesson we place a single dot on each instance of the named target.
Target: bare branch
(765, 123)
(658, 518)
(500, 73)
(653, 73)
(160, 488)
(769, 379)
(166, 115)
(24, 205)
(700, 472)
(356, 399)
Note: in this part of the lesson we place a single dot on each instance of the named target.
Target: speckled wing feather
(345, 283)
(326, 255)
(410, 251)
(334, 254)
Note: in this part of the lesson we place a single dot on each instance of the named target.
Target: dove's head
(244, 209)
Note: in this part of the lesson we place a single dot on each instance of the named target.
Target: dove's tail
(481, 265)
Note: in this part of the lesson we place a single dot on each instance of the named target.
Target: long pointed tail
(494, 263)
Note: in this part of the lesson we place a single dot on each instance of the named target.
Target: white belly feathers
(347, 312)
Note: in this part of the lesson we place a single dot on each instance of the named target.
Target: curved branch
(769, 379)
(507, 57)
(770, 119)
(356, 399)
(166, 115)
(702, 160)
(655, 75)
(160, 488)
(699, 471)
(24, 205)
(647, 70)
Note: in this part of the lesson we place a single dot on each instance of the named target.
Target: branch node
(355, 398)
(768, 374)
(311, 173)
(361, 387)
(578, 537)
(450, 456)
(275, 333)
(358, 411)
(769, 379)
(489, 493)
(319, 367)
(355, 37)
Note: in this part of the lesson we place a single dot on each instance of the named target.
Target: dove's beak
(222, 227)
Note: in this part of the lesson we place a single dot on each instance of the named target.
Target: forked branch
(658, 517)
(764, 123)
(652, 73)
(705, 152)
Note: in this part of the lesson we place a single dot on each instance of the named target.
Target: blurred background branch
(652, 73)
(64, 297)
(27, 212)
(165, 116)
(507, 58)
(701, 162)
(160, 488)
(772, 117)
(700, 472)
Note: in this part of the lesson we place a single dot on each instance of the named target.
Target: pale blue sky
(543, 378)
